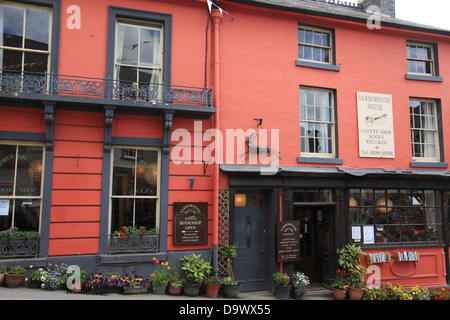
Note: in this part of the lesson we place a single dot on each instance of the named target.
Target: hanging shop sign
(375, 125)
(288, 241)
(190, 225)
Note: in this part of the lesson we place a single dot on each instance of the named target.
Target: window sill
(419, 164)
(424, 78)
(316, 65)
(320, 160)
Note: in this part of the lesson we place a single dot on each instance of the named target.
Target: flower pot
(191, 290)
(339, 294)
(14, 280)
(355, 294)
(282, 292)
(175, 289)
(211, 290)
(231, 291)
(159, 288)
(128, 290)
(298, 296)
(2, 277)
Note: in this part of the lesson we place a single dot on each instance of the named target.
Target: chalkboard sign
(288, 241)
(190, 223)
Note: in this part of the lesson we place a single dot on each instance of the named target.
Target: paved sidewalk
(25, 293)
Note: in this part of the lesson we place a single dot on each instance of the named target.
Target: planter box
(128, 290)
(19, 247)
(138, 243)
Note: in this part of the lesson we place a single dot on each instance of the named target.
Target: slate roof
(339, 11)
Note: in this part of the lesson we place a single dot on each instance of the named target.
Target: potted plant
(356, 284)
(194, 270)
(160, 277)
(340, 284)
(212, 285)
(3, 270)
(299, 282)
(349, 259)
(133, 283)
(282, 286)
(175, 284)
(35, 278)
(14, 276)
(231, 288)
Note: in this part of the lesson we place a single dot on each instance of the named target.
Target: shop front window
(20, 186)
(383, 216)
(135, 189)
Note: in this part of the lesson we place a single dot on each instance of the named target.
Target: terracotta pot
(14, 280)
(339, 294)
(356, 294)
(175, 289)
(211, 290)
(2, 277)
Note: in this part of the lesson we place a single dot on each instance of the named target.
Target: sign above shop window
(375, 125)
(190, 225)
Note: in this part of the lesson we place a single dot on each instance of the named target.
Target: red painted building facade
(112, 113)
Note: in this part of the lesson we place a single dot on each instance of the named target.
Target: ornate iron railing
(19, 247)
(55, 84)
(131, 244)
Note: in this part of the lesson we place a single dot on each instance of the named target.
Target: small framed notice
(4, 207)
(369, 234)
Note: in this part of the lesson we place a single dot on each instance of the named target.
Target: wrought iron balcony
(114, 91)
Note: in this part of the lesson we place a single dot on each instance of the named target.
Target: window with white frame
(135, 188)
(424, 130)
(25, 38)
(315, 45)
(138, 52)
(317, 122)
(21, 185)
(420, 59)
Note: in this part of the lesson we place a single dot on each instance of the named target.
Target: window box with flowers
(134, 239)
(17, 243)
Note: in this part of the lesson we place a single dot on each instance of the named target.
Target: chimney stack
(387, 6)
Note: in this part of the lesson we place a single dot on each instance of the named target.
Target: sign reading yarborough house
(190, 223)
(375, 125)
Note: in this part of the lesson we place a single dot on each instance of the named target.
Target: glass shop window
(135, 188)
(380, 216)
(21, 185)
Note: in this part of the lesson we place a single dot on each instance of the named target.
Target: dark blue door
(250, 237)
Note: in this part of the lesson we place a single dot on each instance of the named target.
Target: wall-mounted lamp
(192, 182)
